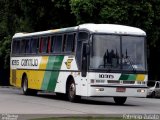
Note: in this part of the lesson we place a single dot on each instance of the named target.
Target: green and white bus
(94, 60)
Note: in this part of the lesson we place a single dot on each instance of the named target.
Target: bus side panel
(35, 77)
(69, 67)
(51, 73)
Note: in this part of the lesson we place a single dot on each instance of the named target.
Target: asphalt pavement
(13, 102)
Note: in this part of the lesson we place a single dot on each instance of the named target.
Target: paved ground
(12, 101)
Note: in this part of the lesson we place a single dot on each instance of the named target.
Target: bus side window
(70, 43)
(40, 45)
(64, 43)
(43, 45)
(34, 45)
(57, 46)
(27, 46)
(49, 45)
(82, 36)
(16, 47)
(22, 46)
(52, 43)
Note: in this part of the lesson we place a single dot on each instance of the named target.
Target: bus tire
(120, 100)
(26, 90)
(71, 92)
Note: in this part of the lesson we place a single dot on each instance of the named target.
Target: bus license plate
(120, 89)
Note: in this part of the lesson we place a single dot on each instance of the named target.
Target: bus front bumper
(119, 91)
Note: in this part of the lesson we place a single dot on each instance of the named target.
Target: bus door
(84, 68)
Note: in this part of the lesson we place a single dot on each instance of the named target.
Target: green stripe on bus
(127, 77)
(54, 74)
(132, 77)
(47, 74)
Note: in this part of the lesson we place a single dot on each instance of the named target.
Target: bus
(91, 60)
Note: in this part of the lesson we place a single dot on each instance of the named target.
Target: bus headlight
(99, 89)
(141, 90)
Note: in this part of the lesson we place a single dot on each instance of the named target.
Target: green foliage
(5, 51)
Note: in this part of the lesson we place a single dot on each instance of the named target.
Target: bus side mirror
(87, 49)
(85, 52)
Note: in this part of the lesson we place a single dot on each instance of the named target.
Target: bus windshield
(114, 52)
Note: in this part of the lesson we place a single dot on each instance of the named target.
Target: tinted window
(57, 44)
(70, 40)
(16, 47)
(34, 45)
(52, 43)
(27, 46)
(22, 45)
(82, 36)
(49, 45)
(43, 44)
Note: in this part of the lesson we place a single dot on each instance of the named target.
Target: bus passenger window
(70, 43)
(52, 43)
(16, 47)
(22, 46)
(34, 45)
(49, 45)
(27, 46)
(57, 45)
(64, 43)
(43, 45)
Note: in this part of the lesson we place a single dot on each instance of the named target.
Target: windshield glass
(114, 52)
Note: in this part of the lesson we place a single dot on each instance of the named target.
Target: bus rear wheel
(26, 90)
(71, 92)
(120, 100)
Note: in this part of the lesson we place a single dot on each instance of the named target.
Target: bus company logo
(68, 63)
(106, 76)
(29, 62)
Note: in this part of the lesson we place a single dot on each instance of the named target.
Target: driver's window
(82, 36)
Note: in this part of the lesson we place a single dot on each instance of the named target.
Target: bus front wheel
(120, 100)
(71, 92)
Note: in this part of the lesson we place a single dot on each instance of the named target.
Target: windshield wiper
(131, 63)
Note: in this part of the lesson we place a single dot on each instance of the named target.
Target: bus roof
(112, 29)
(95, 28)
